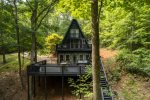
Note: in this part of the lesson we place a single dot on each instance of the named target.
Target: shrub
(51, 41)
(83, 85)
(113, 69)
(137, 61)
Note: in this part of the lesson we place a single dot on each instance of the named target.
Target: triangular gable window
(74, 33)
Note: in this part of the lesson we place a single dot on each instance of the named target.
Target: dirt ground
(10, 87)
(54, 89)
(132, 87)
(107, 53)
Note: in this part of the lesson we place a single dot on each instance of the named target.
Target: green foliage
(77, 8)
(7, 34)
(51, 41)
(116, 75)
(133, 87)
(136, 62)
(122, 28)
(113, 70)
(125, 26)
(56, 22)
(12, 63)
(83, 84)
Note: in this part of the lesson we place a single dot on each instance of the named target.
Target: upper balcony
(76, 47)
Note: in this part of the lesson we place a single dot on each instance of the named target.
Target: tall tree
(3, 48)
(95, 50)
(1, 32)
(37, 16)
(18, 39)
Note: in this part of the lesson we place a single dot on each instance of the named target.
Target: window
(77, 31)
(75, 44)
(74, 32)
(87, 57)
(81, 57)
(67, 58)
(83, 43)
(61, 58)
(64, 46)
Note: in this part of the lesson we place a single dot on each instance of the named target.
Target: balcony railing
(56, 69)
(84, 47)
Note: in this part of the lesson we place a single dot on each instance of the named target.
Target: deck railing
(56, 69)
(69, 47)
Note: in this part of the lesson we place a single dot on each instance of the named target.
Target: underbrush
(83, 85)
(43, 52)
(113, 70)
(136, 62)
(126, 85)
(12, 63)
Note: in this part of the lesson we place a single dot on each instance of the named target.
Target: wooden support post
(29, 82)
(80, 83)
(39, 81)
(45, 84)
(28, 85)
(34, 90)
(62, 83)
(32, 87)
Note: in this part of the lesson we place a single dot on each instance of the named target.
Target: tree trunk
(36, 21)
(18, 41)
(95, 51)
(2, 38)
(3, 49)
(33, 50)
(33, 28)
(4, 57)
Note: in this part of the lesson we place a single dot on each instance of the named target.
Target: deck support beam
(45, 81)
(63, 82)
(39, 81)
(28, 83)
(28, 87)
(34, 87)
(80, 83)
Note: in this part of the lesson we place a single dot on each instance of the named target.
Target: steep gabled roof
(74, 23)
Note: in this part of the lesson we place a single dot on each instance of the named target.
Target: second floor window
(74, 33)
(81, 57)
(75, 44)
(61, 58)
(87, 57)
(67, 58)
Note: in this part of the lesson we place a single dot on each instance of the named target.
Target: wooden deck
(56, 70)
(57, 87)
(60, 72)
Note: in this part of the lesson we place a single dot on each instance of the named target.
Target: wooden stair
(106, 93)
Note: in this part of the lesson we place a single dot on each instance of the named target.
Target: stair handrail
(103, 69)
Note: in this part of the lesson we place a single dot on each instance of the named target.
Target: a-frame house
(74, 48)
